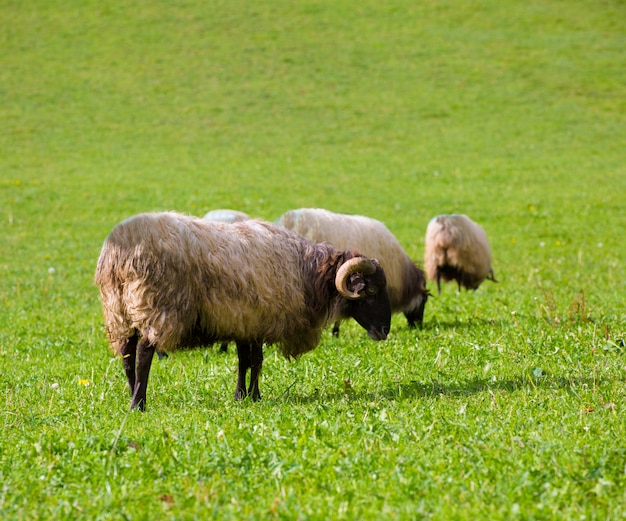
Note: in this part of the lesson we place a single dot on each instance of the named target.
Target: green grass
(510, 404)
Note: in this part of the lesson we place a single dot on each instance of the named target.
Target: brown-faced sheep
(169, 280)
(457, 249)
(406, 283)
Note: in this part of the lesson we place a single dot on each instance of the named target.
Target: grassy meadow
(509, 404)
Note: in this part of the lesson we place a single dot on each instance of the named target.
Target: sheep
(406, 283)
(169, 281)
(227, 216)
(456, 248)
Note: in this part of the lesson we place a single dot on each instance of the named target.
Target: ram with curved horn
(406, 283)
(169, 280)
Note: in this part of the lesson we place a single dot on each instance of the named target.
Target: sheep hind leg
(243, 354)
(145, 352)
(129, 358)
(256, 364)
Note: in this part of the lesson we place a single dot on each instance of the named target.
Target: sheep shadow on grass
(463, 324)
(427, 390)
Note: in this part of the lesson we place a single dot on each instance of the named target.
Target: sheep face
(372, 308)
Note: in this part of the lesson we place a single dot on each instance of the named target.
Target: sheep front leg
(145, 352)
(129, 357)
(256, 364)
(243, 355)
(415, 316)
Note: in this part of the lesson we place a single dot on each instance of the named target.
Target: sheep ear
(349, 273)
(356, 284)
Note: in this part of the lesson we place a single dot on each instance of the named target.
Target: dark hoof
(140, 406)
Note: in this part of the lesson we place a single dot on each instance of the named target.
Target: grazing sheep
(406, 283)
(226, 216)
(169, 280)
(457, 249)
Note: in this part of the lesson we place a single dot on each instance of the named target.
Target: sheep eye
(371, 290)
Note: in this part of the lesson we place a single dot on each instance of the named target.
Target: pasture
(509, 404)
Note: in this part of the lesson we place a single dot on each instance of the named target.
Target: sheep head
(362, 283)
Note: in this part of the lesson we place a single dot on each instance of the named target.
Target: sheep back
(456, 248)
(226, 216)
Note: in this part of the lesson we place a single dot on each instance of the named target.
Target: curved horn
(349, 267)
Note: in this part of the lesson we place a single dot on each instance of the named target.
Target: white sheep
(406, 283)
(169, 280)
(456, 248)
(225, 215)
